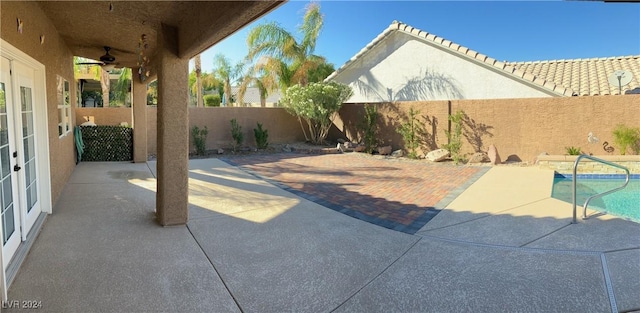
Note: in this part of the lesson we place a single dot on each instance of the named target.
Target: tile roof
(566, 80)
(586, 77)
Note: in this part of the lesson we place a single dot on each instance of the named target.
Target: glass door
(8, 179)
(26, 143)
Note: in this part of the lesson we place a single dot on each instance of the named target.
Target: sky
(504, 30)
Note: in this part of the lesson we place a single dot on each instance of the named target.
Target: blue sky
(504, 30)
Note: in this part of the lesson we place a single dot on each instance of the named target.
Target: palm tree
(258, 76)
(226, 73)
(283, 56)
(198, 69)
(123, 86)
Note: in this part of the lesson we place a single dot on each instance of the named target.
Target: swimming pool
(624, 203)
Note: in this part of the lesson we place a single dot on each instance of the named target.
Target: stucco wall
(523, 128)
(58, 60)
(282, 126)
(104, 116)
(405, 68)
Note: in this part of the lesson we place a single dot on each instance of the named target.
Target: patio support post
(139, 119)
(173, 131)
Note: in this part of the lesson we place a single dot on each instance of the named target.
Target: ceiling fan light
(109, 67)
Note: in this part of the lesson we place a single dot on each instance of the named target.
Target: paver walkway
(398, 194)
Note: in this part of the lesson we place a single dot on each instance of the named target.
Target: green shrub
(262, 136)
(212, 100)
(573, 150)
(409, 132)
(454, 136)
(199, 139)
(368, 126)
(316, 104)
(627, 138)
(236, 134)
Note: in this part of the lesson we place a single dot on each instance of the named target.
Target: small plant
(199, 139)
(573, 150)
(262, 136)
(368, 126)
(454, 136)
(409, 132)
(236, 133)
(627, 138)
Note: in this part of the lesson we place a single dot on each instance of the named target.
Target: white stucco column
(173, 131)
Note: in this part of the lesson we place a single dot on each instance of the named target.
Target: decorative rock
(397, 153)
(479, 157)
(386, 150)
(438, 155)
(494, 157)
(220, 151)
(359, 148)
(286, 148)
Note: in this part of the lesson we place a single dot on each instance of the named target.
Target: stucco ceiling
(88, 26)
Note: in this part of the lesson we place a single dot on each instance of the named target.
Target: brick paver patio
(394, 193)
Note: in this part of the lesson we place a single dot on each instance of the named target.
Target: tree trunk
(105, 82)
(200, 102)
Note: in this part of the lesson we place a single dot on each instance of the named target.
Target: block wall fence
(521, 129)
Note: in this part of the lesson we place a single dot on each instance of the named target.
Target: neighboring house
(407, 64)
(252, 97)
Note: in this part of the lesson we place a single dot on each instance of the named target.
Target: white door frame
(41, 131)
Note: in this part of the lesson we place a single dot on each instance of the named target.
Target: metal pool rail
(586, 203)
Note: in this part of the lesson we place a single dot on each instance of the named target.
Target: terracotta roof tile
(586, 77)
(563, 77)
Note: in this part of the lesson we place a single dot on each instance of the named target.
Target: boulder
(438, 155)
(386, 150)
(286, 148)
(494, 157)
(220, 151)
(397, 153)
(479, 157)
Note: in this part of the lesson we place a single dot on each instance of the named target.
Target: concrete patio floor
(502, 245)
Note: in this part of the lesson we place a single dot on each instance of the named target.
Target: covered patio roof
(88, 26)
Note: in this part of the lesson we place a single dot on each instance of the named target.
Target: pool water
(624, 203)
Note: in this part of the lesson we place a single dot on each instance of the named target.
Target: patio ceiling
(88, 26)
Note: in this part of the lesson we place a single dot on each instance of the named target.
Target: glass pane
(28, 192)
(4, 129)
(9, 224)
(6, 167)
(6, 191)
(34, 195)
(32, 171)
(3, 99)
(25, 95)
(25, 142)
(27, 124)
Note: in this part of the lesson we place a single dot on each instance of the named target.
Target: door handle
(16, 168)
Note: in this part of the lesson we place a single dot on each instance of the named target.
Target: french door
(19, 192)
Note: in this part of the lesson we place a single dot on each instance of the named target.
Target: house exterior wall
(58, 60)
(282, 126)
(524, 128)
(405, 68)
(104, 116)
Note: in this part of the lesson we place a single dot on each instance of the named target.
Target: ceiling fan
(107, 61)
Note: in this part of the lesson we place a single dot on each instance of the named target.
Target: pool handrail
(574, 178)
